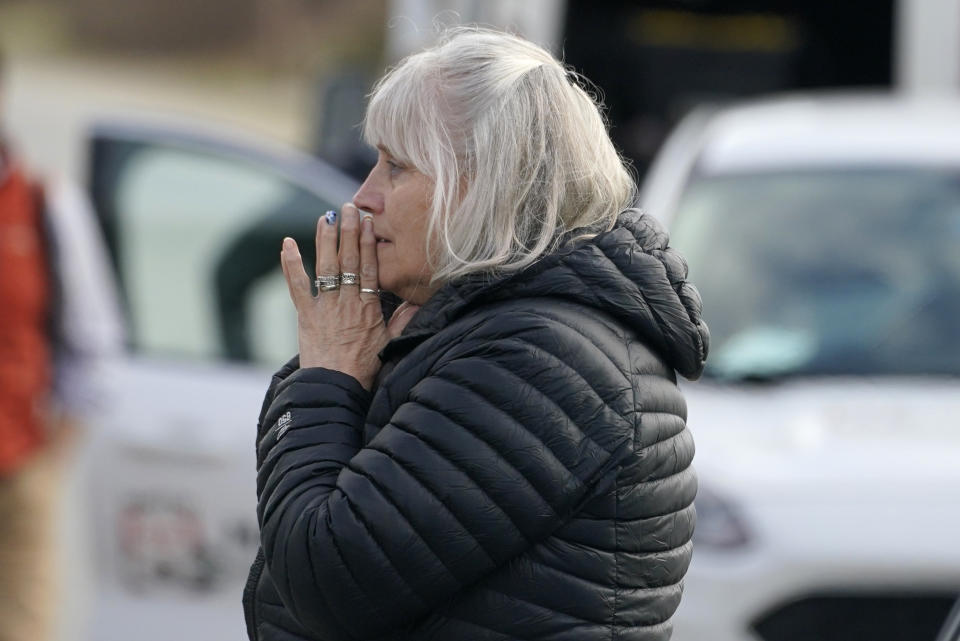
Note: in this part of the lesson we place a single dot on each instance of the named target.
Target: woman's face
(399, 197)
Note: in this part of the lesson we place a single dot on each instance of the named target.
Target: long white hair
(517, 148)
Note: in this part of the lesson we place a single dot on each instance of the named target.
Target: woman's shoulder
(525, 316)
(572, 333)
(557, 354)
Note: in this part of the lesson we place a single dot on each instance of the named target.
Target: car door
(194, 225)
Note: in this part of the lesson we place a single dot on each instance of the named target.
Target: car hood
(822, 438)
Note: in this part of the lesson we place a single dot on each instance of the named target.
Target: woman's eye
(395, 168)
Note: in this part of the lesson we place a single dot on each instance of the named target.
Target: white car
(823, 233)
(193, 223)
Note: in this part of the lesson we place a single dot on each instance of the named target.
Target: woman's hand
(342, 329)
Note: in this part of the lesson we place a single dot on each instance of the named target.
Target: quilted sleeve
(487, 455)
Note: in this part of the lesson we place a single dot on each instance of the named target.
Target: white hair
(518, 150)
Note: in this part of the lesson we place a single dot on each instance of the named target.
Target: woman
(506, 458)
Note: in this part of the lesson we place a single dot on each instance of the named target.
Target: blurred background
(805, 154)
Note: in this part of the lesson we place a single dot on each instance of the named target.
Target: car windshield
(820, 272)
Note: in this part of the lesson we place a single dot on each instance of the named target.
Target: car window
(827, 271)
(197, 241)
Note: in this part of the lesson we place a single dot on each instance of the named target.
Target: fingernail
(331, 217)
(367, 223)
(288, 243)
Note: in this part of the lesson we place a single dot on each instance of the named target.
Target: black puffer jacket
(522, 471)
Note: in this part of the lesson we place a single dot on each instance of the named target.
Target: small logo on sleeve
(283, 424)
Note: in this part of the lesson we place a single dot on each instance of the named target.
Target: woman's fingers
(369, 277)
(297, 280)
(328, 263)
(349, 251)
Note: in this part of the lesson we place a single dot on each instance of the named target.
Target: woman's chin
(388, 285)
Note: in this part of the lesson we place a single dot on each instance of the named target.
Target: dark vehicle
(654, 60)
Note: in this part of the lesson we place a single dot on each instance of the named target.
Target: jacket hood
(628, 272)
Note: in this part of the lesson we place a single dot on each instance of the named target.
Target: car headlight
(720, 523)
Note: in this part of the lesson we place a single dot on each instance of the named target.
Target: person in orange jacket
(59, 319)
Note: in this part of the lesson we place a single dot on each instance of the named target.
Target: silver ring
(367, 290)
(349, 278)
(327, 283)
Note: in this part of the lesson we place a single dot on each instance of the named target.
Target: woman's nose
(368, 197)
